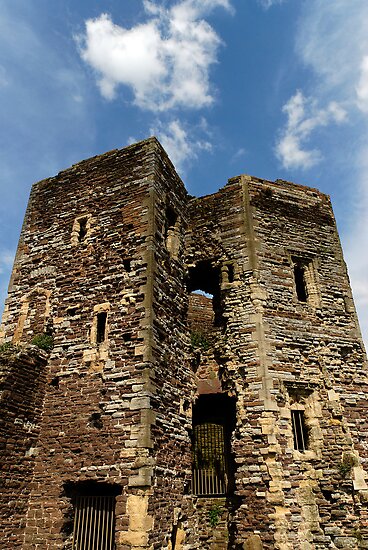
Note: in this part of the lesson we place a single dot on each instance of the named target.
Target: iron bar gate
(210, 465)
(94, 523)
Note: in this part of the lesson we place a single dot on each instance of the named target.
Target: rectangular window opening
(230, 273)
(127, 263)
(300, 285)
(300, 431)
(94, 522)
(82, 230)
(205, 278)
(101, 327)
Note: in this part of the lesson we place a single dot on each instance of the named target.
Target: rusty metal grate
(94, 523)
(300, 431)
(209, 460)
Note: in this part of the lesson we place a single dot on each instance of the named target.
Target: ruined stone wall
(95, 418)
(281, 354)
(200, 314)
(222, 230)
(171, 376)
(22, 390)
(110, 253)
(317, 364)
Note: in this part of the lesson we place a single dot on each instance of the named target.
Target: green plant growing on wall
(344, 469)
(214, 515)
(199, 340)
(346, 465)
(8, 347)
(43, 341)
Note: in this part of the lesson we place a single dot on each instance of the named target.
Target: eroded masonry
(203, 384)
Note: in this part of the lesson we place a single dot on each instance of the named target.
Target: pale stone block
(359, 479)
(134, 538)
(254, 542)
(140, 403)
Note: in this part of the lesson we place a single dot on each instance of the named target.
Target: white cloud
(266, 4)
(180, 144)
(6, 260)
(6, 264)
(165, 61)
(238, 155)
(362, 87)
(332, 40)
(303, 117)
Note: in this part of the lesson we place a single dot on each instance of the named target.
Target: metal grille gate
(94, 523)
(300, 431)
(209, 460)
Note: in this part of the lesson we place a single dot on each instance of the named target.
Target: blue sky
(272, 88)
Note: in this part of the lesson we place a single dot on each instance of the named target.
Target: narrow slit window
(82, 229)
(171, 221)
(171, 232)
(101, 327)
(127, 263)
(300, 431)
(300, 286)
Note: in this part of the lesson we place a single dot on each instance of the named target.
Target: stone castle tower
(207, 386)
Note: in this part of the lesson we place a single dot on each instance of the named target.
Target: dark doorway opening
(214, 418)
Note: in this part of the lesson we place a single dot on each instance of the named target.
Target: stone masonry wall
(317, 363)
(171, 376)
(221, 229)
(22, 390)
(281, 354)
(110, 253)
(95, 418)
